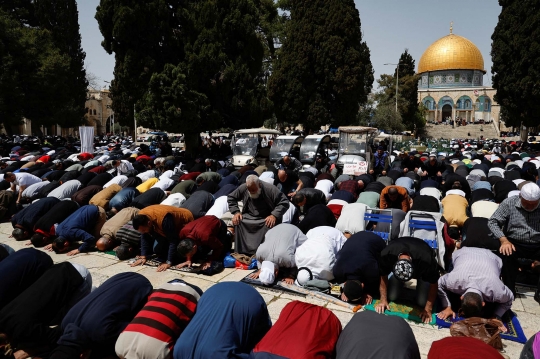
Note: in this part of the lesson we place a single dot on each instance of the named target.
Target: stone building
(451, 84)
(99, 110)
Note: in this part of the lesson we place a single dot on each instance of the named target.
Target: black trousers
(511, 265)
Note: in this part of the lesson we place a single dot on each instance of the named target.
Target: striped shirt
(476, 270)
(511, 220)
(153, 332)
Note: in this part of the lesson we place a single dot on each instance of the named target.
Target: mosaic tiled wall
(451, 78)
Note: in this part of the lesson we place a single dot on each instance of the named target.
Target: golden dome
(451, 52)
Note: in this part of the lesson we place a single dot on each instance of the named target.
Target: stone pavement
(102, 266)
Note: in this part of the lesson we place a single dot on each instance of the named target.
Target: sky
(388, 27)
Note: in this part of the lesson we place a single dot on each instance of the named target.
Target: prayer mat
(514, 333)
(156, 263)
(111, 253)
(274, 287)
(282, 287)
(405, 311)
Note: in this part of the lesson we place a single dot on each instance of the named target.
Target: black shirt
(289, 184)
(424, 262)
(358, 259)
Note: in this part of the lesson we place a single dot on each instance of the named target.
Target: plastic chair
(427, 223)
(372, 217)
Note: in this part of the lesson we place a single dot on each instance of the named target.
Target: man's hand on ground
(344, 297)
(206, 265)
(500, 325)
(426, 316)
(446, 313)
(382, 306)
(163, 267)
(185, 264)
(237, 218)
(255, 275)
(48, 248)
(270, 221)
(288, 280)
(368, 299)
(73, 252)
(139, 262)
(506, 247)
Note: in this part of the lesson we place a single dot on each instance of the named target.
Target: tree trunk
(192, 142)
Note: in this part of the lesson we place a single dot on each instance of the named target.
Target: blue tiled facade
(451, 79)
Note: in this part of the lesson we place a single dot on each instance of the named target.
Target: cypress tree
(515, 53)
(61, 19)
(323, 72)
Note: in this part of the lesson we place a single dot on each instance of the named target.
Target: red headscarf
(302, 331)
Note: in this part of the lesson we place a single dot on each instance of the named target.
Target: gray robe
(250, 232)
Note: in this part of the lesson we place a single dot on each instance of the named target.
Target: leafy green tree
(515, 52)
(42, 63)
(220, 81)
(386, 118)
(12, 51)
(408, 90)
(323, 71)
(61, 19)
(143, 36)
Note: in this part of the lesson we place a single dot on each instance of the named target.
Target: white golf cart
(354, 152)
(285, 145)
(252, 146)
(312, 146)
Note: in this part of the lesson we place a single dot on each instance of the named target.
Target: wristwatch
(169, 263)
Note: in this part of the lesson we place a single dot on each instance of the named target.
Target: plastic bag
(487, 330)
(229, 261)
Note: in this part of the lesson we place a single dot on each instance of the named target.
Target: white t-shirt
(26, 179)
(145, 176)
(33, 189)
(164, 184)
(326, 187)
(220, 207)
(119, 180)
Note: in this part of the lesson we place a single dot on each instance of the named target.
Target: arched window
(459, 104)
(89, 111)
(95, 112)
(467, 104)
(487, 106)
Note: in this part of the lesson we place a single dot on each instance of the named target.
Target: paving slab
(275, 307)
(103, 266)
(235, 276)
(91, 261)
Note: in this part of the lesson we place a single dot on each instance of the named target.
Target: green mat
(404, 311)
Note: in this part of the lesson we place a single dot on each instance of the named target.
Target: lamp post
(397, 79)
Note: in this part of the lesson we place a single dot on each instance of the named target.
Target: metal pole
(134, 123)
(397, 83)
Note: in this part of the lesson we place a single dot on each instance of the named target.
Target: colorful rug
(514, 333)
(404, 311)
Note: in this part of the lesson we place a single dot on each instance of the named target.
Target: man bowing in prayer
(264, 207)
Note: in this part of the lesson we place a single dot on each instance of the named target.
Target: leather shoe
(537, 296)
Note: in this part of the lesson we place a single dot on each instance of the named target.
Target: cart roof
(357, 129)
(258, 130)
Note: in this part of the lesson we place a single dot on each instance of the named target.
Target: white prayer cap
(304, 275)
(514, 193)
(530, 192)
(456, 191)
(267, 275)
(518, 181)
(455, 161)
